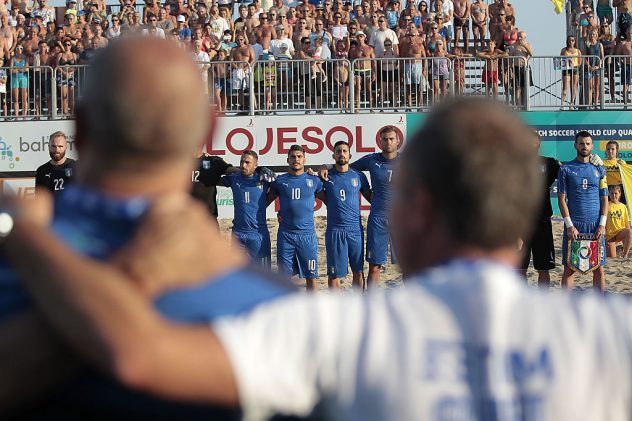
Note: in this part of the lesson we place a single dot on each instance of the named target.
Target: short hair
(150, 15)
(489, 151)
(582, 134)
(57, 134)
(387, 129)
(295, 148)
(305, 39)
(251, 153)
(611, 189)
(341, 142)
(613, 142)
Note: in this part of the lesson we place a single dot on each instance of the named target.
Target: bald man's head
(143, 100)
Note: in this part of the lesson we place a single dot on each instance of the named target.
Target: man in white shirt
(464, 339)
(382, 34)
(281, 45)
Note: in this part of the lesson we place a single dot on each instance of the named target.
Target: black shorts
(541, 247)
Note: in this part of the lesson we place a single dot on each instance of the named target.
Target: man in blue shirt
(250, 202)
(582, 193)
(99, 214)
(296, 239)
(380, 167)
(344, 239)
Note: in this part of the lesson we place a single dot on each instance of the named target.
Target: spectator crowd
(403, 52)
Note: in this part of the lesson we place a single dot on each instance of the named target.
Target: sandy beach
(618, 270)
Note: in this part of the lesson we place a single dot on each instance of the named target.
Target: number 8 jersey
(583, 184)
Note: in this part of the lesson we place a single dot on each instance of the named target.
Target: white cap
(181, 18)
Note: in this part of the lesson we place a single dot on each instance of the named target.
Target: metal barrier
(506, 78)
(400, 83)
(228, 85)
(301, 85)
(68, 86)
(335, 86)
(616, 81)
(566, 82)
(25, 92)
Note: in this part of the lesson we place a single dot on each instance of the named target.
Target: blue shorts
(377, 240)
(257, 245)
(584, 227)
(299, 248)
(344, 247)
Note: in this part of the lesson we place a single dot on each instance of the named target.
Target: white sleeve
(280, 356)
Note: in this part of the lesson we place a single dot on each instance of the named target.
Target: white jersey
(466, 341)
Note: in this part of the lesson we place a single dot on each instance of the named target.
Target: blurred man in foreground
(149, 156)
(465, 336)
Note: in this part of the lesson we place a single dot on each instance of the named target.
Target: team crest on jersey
(542, 168)
(354, 182)
(596, 173)
(206, 165)
(310, 183)
(68, 172)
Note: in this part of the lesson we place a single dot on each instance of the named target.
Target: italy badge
(585, 253)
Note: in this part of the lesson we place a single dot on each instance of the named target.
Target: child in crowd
(617, 224)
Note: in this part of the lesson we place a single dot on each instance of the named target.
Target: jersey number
(246, 197)
(296, 193)
(343, 195)
(390, 175)
(585, 184)
(311, 265)
(195, 175)
(59, 183)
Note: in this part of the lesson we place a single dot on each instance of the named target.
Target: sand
(618, 270)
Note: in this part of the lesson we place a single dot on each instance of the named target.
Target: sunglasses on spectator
(501, 14)
(381, 20)
(67, 45)
(282, 16)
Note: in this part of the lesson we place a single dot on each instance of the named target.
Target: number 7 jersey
(584, 184)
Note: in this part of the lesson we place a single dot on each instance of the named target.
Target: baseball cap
(360, 34)
(71, 12)
(181, 18)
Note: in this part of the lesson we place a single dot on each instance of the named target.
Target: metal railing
(367, 85)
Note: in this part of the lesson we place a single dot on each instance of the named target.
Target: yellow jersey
(618, 217)
(613, 175)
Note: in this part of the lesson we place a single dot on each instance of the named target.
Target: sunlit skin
(296, 163)
(57, 150)
(248, 165)
(611, 151)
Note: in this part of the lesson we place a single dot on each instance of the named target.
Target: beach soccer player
(541, 245)
(380, 166)
(296, 238)
(250, 201)
(344, 238)
(582, 194)
(618, 224)
(464, 339)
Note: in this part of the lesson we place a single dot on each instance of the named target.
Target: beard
(57, 156)
(584, 152)
(342, 161)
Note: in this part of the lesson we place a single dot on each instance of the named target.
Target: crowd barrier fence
(344, 86)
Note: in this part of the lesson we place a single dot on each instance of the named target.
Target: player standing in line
(344, 239)
(541, 244)
(58, 172)
(206, 177)
(583, 200)
(380, 166)
(250, 202)
(296, 239)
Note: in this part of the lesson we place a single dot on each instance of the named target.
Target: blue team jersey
(381, 171)
(250, 202)
(96, 225)
(584, 184)
(296, 196)
(343, 198)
